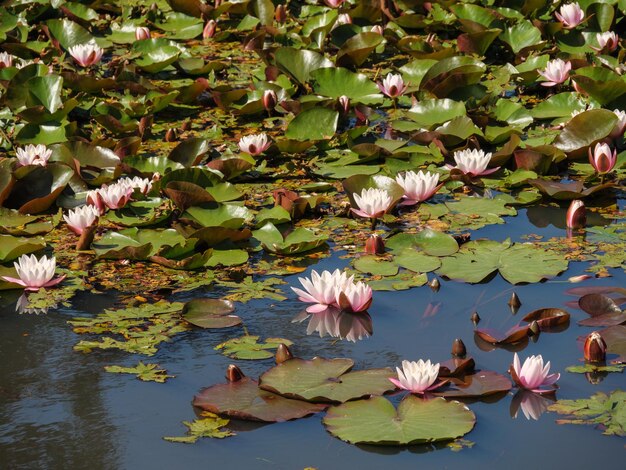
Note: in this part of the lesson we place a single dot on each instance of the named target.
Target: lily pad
(248, 347)
(210, 313)
(549, 319)
(298, 241)
(431, 242)
(325, 380)
(480, 384)
(416, 421)
(13, 247)
(245, 400)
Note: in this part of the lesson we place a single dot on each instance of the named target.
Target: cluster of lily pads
(216, 143)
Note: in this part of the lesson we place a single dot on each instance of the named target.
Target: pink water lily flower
(144, 185)
(571, 15)
(86, 54)
(142, 33)
(533, 374)
(607, 41)
(254, 144)
(393, 85)
(602, 159)
(343, 18)
(620, 126)
(6, 60)
(320, 290)
(417, 377)
(417, 186)
(354, 297)
(81, 218)
(473, 162)
(209, 29)
(33, 155)
(114, 196)
(270, 99)
(556, 71)
(334, 3)
(35, 274)
(372, 203)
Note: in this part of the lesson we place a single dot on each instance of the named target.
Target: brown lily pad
(615, 339)
(514, 335)
(549, 319)
(603, 310)
(245, 400)
(456, 367)
(480, 384)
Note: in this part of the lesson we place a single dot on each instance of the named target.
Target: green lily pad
(416, 421)
(515, 262)
(248, 347)
(416, 261)
(134, 243)
(584, 129)
(245, 400)
(208, 426)
(431, 242)
(219, 215)
(325, 380)
(336, 82)
(375, 265)
(210, 313)
(13, 247)
(144, 372)
(313, 124)
(297, 241)
(300, 63)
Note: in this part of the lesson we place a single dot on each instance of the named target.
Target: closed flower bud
(283, 353)
(595, 347)
(344, 104)
(142, 33)
(576, 214)
(269, 99)
(475, 318)
(171, 135)
(280, 14)
(375, 245)
(234, 373)
(209, 29)
(434, 285)
(458, 348)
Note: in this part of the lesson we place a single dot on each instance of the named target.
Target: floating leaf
(248, 347)
(337, 82)
(210, 313)
(313, 124)
(207, 426)
(13, 247)
(416, 421)
(145, 372)
(514, 335)
(480, 384)
(603, 310)
(549, 319)
(297, 241)
(432, 242)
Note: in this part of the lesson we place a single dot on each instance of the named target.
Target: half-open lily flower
(556, 71)
(320, 290)
(94, 199)
(576, 216)
(417, 186)
(144, 185)
(209, 29)
(334, 3)
(344, 104)
(114, 196)
(86, 54)
(354, 297)
(35, 274)
(473, 162)
(607, 41)
(602, 159)
(417, 377)
(571, 15)
(372, 203)
(33, 155)
(533, 374)
(81, 218)
(392, 85)
(142, 33)
(620, 126)
(254, 144)
(6, 60)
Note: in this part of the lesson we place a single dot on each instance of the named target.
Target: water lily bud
(595, 348)
(458, 348)
(344, 104)
(185, 126)
(280, 14)
(533, 329)
(145, 125)
(171, 135)
(576, 214)
(576, 279)
(514, 301)
(209, 29)
(234, 373)
(270, 99)
(142, 33)
(378, 29)
(374, 245)
(434, 285)
(602, 159)
(283, 353)
(475, 318)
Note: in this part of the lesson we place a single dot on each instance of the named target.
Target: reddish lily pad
(549, 319)
(615, 339)
(603, 310)
(325, 380)
(210, 313)
(514, 335)
(245, 400)
(456, 366)
(480, 384)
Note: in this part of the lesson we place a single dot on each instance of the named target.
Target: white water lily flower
(570, 15)
(144, 185)
(473, 162)
(320, 290)
(354, 297)
(86, 54)
(35, 273)
(254, 144)
(392, 85)
(417, 377)
(81, 218)
(556, 71)
(372, 202)
(6, 60)
(417, 186)
(33, 155)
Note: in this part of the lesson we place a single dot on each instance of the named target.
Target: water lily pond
(312, 234)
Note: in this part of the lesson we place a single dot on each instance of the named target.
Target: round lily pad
(480, 384)
(549, 319)
(325, 380)
(210, 313)
(245, 400)
(415, 421)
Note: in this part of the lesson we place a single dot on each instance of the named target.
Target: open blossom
(33, 155)
(602, 159)
(576, 214)
(417, 186)
(320, 290)
(557, 71)
(6, 60)
(417, 377)
(533, 374)
(144, 185)
(372, 203)
(571, 15)
(607, 41)
(81, 218)
(473, 162)
(114, 196)
(254, 144)
(620, 126)
(35, 274)
(354, 297)
(392, 85)
(86, 54)
(142, 33)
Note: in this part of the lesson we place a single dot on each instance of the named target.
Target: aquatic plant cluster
(155, 148)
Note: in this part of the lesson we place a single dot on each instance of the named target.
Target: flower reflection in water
(337, 323)
(533, 405)
(22, 306)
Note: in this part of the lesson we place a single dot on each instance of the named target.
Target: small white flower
(416, 377)
(33, 155)
(473, 162)
(372, 203)
(86, 54)
(254, 144)
(417, 186)
(81, 218)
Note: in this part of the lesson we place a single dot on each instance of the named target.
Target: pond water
(60, 409)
